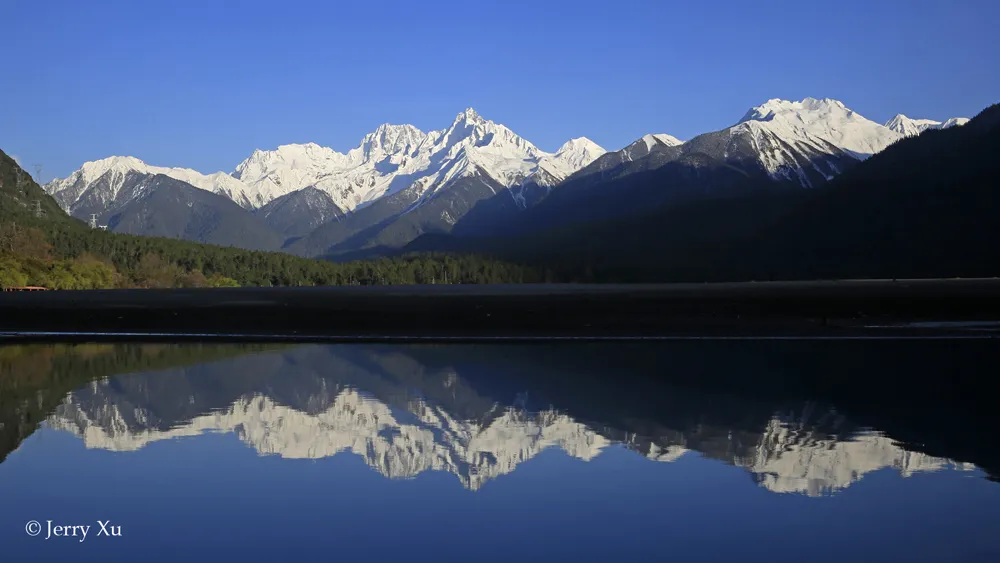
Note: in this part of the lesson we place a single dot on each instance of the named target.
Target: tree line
(61, 256)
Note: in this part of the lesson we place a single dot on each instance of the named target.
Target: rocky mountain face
(298, 213)
(161, 206)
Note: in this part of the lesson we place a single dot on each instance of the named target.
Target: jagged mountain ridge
(391, 158)
(397, 157)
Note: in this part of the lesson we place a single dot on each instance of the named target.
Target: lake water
(685, 451)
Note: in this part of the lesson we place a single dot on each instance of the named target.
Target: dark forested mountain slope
(21, 199)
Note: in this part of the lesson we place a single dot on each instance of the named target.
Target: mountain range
(474, 177)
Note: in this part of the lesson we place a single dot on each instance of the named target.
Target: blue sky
(202, 83)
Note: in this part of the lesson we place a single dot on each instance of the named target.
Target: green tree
(10, 273)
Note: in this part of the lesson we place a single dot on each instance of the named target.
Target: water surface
(683, 451)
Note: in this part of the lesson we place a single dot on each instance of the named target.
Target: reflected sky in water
(263, 453)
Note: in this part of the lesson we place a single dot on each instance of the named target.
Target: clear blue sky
(202, 83)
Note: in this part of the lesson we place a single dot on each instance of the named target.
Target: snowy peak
(472, 130)
(94, 169)
(660, 139)
(817, 122)
(909, 127)
(807, 141)
(572, 156)
(468, 116)
(645, 145)
(291, 155)
(391, 139)
(807, 109)
(580, 145)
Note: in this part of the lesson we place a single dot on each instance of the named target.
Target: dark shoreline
(877, 308)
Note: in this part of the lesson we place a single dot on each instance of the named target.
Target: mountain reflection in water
(409, 410)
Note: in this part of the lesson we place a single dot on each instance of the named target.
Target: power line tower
(38, 174)
(38, 208)
(93, 220)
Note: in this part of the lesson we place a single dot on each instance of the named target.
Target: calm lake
(670, 451)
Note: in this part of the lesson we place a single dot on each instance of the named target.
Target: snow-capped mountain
(396, 157)
(805, 142)
(808, 141)
(388, 160)
(68, 191)
(908, 127)
(813, 121)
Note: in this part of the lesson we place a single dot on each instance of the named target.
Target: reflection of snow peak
(789, 456)
(397, 445)
(790, 460)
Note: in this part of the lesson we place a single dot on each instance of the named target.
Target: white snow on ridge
(909, 127)
(661, 138)
(389, 159)
(395, 157)
(76, 184)
(802, 140)
(814, 122)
